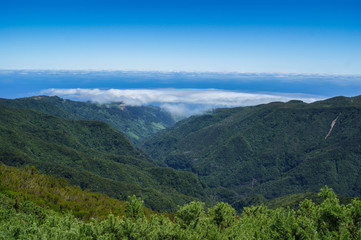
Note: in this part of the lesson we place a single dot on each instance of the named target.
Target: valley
(199, 173)
(272, 149)
(94, 156)
(180, 120)
(136, 122)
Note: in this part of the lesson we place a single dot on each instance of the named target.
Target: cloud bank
(178, 101)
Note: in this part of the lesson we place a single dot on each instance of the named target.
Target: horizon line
(179, 71)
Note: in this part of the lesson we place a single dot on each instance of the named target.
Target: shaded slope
(90, 154)
(136, 122)
(273, 149)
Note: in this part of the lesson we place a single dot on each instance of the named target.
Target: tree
(222, 214)
(190, 214)
(134, 207)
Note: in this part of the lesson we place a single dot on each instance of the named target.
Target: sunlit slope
(54, 193)
(273, 149)
(93, 155)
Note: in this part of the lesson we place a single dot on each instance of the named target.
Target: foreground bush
(328, 220)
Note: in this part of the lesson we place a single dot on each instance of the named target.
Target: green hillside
(325, 220)
(92, 155)
(272, 149)
(136, 122)
(54, 193)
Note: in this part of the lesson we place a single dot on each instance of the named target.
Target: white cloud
(178, 101)
(181, 109)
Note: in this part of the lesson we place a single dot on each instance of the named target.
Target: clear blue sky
(299, 36)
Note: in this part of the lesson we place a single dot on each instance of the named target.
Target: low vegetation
(327, 220)
(54, 193)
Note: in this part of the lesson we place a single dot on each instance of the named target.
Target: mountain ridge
(271, 149)
(93, 155)
(136, 122)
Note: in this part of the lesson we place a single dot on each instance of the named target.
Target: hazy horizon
(182, 93)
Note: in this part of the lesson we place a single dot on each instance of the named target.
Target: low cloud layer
(177, 101)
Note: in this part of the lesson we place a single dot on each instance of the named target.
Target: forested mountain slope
(93, 155)
(272, 149)
(54, 193)
(136, 122)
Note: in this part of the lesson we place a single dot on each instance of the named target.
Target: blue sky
(295, 36)
(182, 55)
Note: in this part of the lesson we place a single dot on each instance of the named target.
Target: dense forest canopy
(136, 122)
(238, 173)
(272, 149)
(94, 156)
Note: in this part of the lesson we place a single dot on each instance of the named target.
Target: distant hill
(136, 122)
(93, 155)
(272, 149)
